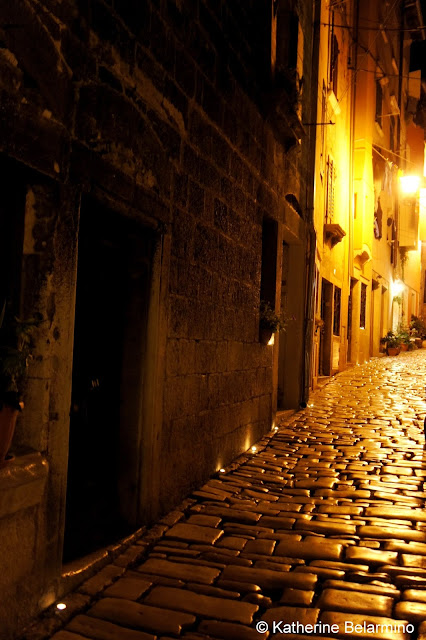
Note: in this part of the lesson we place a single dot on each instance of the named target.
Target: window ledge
(362, 256)
(22, 482)
(333, 233)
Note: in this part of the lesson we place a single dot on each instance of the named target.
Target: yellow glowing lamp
(398, 287)
(409, 184)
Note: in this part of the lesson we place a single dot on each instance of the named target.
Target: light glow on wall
(409, 184)
(397, 287)
(423, 201)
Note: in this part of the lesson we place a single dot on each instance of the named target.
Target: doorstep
(22, 482)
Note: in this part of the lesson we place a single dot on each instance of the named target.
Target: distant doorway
(114, 257)
(325, 367)
(350, 319)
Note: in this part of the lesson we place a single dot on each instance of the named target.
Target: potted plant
(269, 322)
(15, 353)
(418, 330)
(392, 342)
(404, 337)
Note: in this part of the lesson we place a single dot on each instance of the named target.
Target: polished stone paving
(319, 531)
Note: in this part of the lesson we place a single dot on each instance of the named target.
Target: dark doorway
(350, 308)
(107, 380)
(12, 209)
(326, 334)
(282, 343)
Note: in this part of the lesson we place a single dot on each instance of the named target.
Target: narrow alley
(322, 524)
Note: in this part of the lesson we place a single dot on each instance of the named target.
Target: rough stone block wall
(158, 113)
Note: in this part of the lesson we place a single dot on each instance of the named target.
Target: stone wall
(162, 116)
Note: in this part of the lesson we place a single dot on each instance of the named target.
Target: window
(379, 102)
(12, 212)
(323, 120)
(286, 48)
(293, 40)
(329, 205)
(336, 311)
(334, 61)
(268, 278)
(378, 221)
(363, 305)
(392, 133)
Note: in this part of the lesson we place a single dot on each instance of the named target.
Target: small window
(379, 102)
(323, 120)
(363, 306)
(336, 311)
(334, 64)
(12, 213)
(286, 48)
(268, 278)
(392, 133)
(329, 213)
(293, 40)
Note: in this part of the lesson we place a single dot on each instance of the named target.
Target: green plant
(403, 334)
(418, 327)
(391, 340)
(270, 320)
(15, 353)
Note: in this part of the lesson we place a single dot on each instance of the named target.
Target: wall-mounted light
(397, 287)
(409, 184)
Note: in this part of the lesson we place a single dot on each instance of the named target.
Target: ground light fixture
(61, 606)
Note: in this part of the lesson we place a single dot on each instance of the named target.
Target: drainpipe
(310, 231)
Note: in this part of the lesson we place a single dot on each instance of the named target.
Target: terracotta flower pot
(392, 351)
(404, 347)
(8, 417)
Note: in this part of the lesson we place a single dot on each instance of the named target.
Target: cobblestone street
(322, 524)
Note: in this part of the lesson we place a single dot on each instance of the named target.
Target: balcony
(333, 233)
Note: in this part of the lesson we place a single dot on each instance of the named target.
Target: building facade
(156, 172)
(368, 256)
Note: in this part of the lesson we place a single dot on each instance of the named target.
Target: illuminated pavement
(323, 524)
